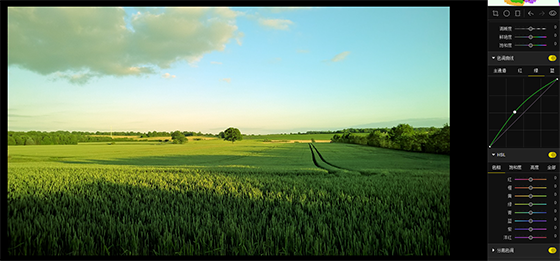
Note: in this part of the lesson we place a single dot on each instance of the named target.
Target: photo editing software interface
(523, 122)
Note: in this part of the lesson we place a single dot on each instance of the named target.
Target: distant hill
(425, 122)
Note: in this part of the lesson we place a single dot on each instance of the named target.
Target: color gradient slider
(531, 237)
(530, 220)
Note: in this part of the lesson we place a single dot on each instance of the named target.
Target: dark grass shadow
(260, 156)
(106, 218)
(170, 160)
(135, 220)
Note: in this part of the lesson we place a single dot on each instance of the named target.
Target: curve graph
(523, 114)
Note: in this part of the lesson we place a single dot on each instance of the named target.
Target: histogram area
(523, 113)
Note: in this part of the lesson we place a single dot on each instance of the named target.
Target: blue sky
(262, 70)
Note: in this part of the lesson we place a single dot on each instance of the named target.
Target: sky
(262, 70)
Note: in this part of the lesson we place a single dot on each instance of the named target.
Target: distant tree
(73, 139)
(401, 136)
(399, 131)
(19, 140)
(46, 140)
(178, 137)
(232, 134)
(335, 138)
(438, 142)
(29, 141)
(11, 140)
(432, 129)
(376, 138)
(221, 135)
(55, 139)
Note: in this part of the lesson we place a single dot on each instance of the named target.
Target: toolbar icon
(495, 13)
(506, 13)
(517, 13)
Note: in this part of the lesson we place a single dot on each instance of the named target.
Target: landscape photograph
(228, 131)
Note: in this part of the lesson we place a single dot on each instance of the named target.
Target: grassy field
(373, 160)
(213, 197)
(292, 137)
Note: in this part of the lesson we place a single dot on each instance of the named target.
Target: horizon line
(279, 132)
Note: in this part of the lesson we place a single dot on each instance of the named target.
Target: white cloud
(168, 76)
(278, 24)
(97, 40)
(215, 62)
(302, 51)
(228, 80)
(339, 57)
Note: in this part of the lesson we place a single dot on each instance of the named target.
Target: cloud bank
(79, 44)
(228, 80)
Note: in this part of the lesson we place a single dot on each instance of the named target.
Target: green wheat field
(212, 197)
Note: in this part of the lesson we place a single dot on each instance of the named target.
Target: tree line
(167, 134)
(403, 137)
(148, 134)
(51, 138)
(367, 130)
(67, 137)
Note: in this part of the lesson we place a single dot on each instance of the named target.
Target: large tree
(232, 134)
(178, 137)
(401, 135)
